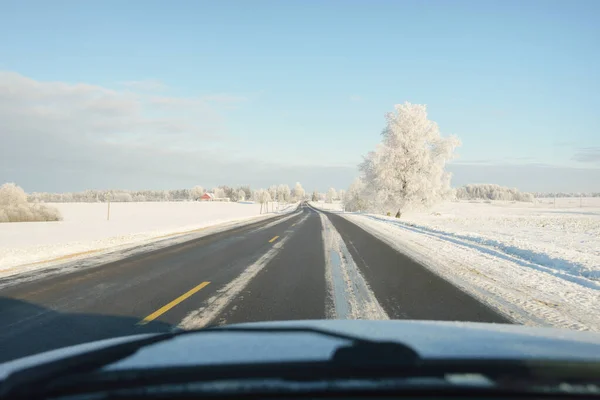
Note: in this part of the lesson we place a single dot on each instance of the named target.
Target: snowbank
(538, 264)
(85, 229)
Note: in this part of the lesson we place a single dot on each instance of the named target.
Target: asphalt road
(270, 270)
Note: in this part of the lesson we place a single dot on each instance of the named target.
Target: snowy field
(538, 263)
(86, 231)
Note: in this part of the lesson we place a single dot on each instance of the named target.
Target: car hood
(431, 339)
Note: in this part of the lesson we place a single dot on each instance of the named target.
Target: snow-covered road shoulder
(521, 262)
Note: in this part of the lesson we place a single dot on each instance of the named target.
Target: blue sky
(299, 86)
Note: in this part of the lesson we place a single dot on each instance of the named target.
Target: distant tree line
(491, 192)
(566, 194)
(281, 193)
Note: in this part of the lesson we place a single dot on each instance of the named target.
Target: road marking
(217, 303)
(172, 304)
(274, 239)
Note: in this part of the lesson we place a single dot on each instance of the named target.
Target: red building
(207, 197)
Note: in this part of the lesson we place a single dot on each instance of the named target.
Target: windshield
(178, 165)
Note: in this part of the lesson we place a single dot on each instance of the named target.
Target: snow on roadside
(538, 265)
(85, 230)
(350, 293)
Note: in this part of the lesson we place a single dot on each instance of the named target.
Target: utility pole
(108, 213)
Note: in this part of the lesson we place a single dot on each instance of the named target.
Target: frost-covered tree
(196, 192)
(122, 197)
(247, 191)
(283, 193)
(90, 196)
(181, 194)
(408, 167)
(354, 199)
(241, 195)
(341, 194)
(298, 193)
(331, 195)
(229, 192)
(11, 194)
(14, 207)
(315, 196)
(273, 192)
(67, 197)
(219, 193)
(491, 192)
(263, 197)
(266, 197)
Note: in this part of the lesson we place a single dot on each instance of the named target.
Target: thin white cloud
(587, 155)
(66, 111)
(50, 126)
(57, 136)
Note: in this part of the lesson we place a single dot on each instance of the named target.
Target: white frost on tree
(298, 192)
(219, 193)
(196, 192)
(14, 207)
(263, 197)
(408, 167)
(491, 192)
(283, 193)
(241, 195)
(272, 192)
(11, 194)
(121, 197)
(315, 196)
(331, 195)
(354, 199)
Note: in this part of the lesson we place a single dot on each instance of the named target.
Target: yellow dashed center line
(172, 304)
(274, 239)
